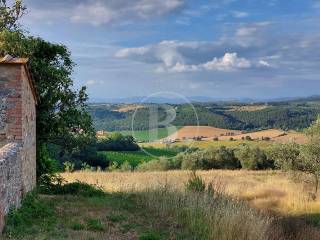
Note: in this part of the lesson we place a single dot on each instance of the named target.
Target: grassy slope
(134, 158)
(113, 216)
(158, 214)
(146, 136)
(271, 191)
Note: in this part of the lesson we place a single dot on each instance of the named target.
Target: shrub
(68, 166)
(211, 158)
(91, 157)
(195, 183)
(126, 167)
(55, 185)
(254, 158)
(161, 164)
(118, 142)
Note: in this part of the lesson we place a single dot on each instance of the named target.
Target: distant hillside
(294, 114)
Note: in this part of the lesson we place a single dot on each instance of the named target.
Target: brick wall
(17, 136)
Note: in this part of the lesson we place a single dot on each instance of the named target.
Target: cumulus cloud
(172, 56)
(229, 61)
(98, 12)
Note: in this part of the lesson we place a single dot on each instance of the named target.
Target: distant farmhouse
(18, 99)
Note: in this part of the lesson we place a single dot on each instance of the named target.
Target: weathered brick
(17, 119)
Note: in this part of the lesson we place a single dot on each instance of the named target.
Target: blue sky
(219, 49)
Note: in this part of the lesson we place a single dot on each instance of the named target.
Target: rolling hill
(285, 115)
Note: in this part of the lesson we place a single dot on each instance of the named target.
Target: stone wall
(10, 179)
(17, 136)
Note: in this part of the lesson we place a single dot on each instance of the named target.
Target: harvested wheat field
(129, 107)
(190, 132)
(247, 108)
(267, 190)
(292, 136)
(270, 133)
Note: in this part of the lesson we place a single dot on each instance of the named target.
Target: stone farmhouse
(18, 99)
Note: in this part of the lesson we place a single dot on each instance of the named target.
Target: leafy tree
(118, 142)
(10, 14)
(254, 158)
(285, 156)
(61, 113)
(304, 158)
(310, 154)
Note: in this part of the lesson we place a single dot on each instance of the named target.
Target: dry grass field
(189, 132)
(248, 108)
(129, 107)
(271, 133)
(299, 138)
(209, 143)
(271, 191)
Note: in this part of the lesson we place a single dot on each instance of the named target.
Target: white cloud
(229, 62)
(107, 12)
(264, 63)
(98, 12)
(239, 14)
(93, 82)
(179, 57)
(126, 52)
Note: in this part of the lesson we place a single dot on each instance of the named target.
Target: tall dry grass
(225, 215)
(205, 216)
(267, 190)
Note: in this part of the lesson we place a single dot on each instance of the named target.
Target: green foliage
(126, 167)
(10, 14)
(68, 166)
(45, 163)
(61, 113)
(161, 164)
(54, 184)
(310, 154)
(211, 158)
(283, 115)
(117, 142)
(195, 183)
(305, 158)
(77, 226)
(137, 157)
(89, 155)
(254, 158)
(95, 225)
(285, 156)
(33, 212)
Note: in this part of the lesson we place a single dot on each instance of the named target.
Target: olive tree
(310, 154)
(304, 158)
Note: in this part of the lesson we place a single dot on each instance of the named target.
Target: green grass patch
(153, 135)
(78, 216)
(95, 225)
(117, 218)
(137, 157)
